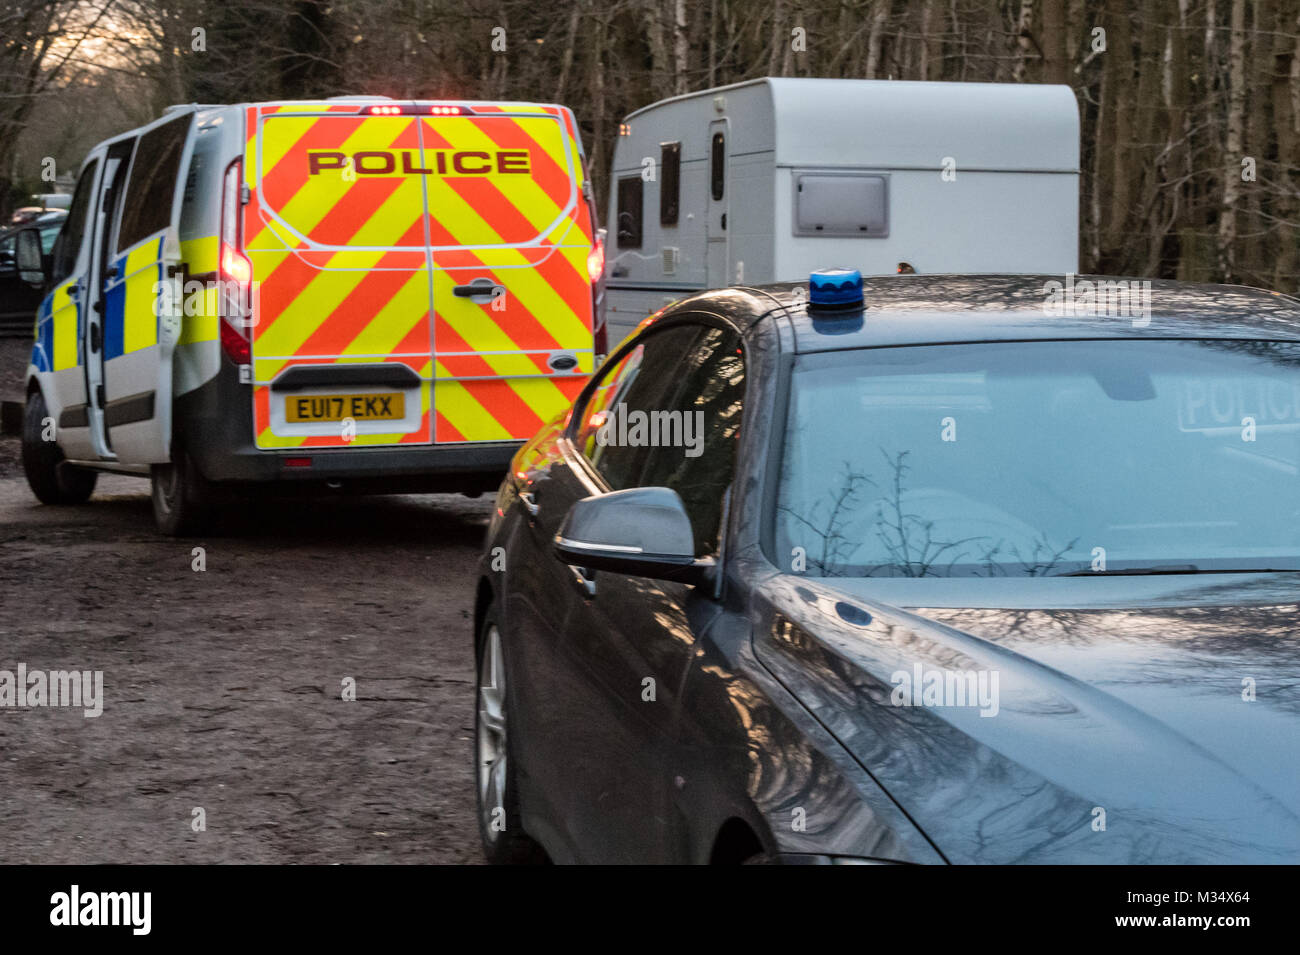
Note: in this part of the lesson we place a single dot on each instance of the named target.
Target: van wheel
(50, 477)
(502, 834)
(181, 497)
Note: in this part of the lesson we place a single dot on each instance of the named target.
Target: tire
(182, 499)
(50, 477)
(495, 787)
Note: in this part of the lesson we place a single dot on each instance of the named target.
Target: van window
(629, 212)
(718, 166)
(199, 182)
(670, 182)
(67, 246)
(149, 194)
(841, 204)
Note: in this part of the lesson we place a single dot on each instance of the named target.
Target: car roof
(47, 218)
(939, 309)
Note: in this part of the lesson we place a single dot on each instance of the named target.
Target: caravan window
(629, 212)
(670, 182)
(841, 204)
(718, 166)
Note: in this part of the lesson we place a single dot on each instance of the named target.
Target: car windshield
(1042, 459)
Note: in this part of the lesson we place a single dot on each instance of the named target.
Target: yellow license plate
(305, 409)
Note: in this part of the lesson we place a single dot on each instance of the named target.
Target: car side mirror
(641, 532)
(29, 257)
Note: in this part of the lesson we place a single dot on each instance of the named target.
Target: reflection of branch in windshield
(836, 547)
(907, 538)
(1035, 566)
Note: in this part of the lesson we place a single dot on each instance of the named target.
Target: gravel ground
(223, 687)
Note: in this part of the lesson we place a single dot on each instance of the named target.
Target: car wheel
(50, 477)
(181, 504)
(504, 840)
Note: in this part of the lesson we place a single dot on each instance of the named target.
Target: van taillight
(596, 261)
(235, 267)
(234, 274)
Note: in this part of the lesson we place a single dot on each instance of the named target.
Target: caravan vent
(670, 260)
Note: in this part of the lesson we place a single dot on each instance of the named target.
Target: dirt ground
(223, 687)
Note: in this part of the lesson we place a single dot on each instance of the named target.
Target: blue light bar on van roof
(835, 288)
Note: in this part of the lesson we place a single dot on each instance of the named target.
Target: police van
(361, 294)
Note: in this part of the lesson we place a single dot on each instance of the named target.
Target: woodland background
(1190, 112)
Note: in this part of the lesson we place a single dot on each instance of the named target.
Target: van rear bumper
(214, 423)
(367, 470)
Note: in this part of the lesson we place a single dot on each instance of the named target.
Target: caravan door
(718, 255)
(140, 326)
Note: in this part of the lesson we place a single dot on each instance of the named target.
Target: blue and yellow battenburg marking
(58, 332)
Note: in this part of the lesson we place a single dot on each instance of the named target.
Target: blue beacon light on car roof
(835, 289)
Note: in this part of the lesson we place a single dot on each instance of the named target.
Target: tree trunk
(775, 55)
(1024, 40)
(681, 49)
(1233, 147)
(570, 41)
(1283, 87)
(1177, 132)
(1119, 96)
(1055, 59)
(1145, 159)
(875, 40)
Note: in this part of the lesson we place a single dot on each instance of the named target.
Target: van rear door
(438, 252)
(334, 229)
(511, 233)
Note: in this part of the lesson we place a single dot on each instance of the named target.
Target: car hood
(1108, 720)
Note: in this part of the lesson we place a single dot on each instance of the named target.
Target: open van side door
(141, 316)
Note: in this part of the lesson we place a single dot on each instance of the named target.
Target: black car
(19, 299)
(996, 569)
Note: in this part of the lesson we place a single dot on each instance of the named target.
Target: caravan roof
(897, 124)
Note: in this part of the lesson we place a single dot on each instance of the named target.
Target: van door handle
(479, 287)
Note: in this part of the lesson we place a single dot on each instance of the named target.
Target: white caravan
(770, 179)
